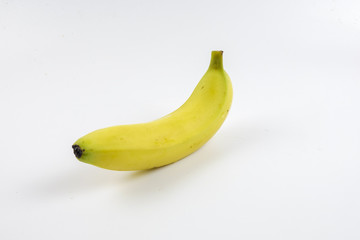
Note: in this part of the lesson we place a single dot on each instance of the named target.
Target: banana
(167, 139)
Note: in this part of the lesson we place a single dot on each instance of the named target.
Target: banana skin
(167, 139)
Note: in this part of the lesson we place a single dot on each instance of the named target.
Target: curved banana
(168, 139)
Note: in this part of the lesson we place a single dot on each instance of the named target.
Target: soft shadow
(228, 142)
(74, 182)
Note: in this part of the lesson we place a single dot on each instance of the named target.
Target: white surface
(285, 164)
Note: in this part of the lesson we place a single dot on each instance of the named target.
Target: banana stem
(216, 60)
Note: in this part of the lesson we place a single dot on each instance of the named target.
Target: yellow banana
(168, 139)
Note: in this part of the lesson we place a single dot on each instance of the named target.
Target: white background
(285, 164)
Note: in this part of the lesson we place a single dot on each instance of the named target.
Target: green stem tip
(216, 61)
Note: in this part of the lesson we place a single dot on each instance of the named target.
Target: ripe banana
(168, 139)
